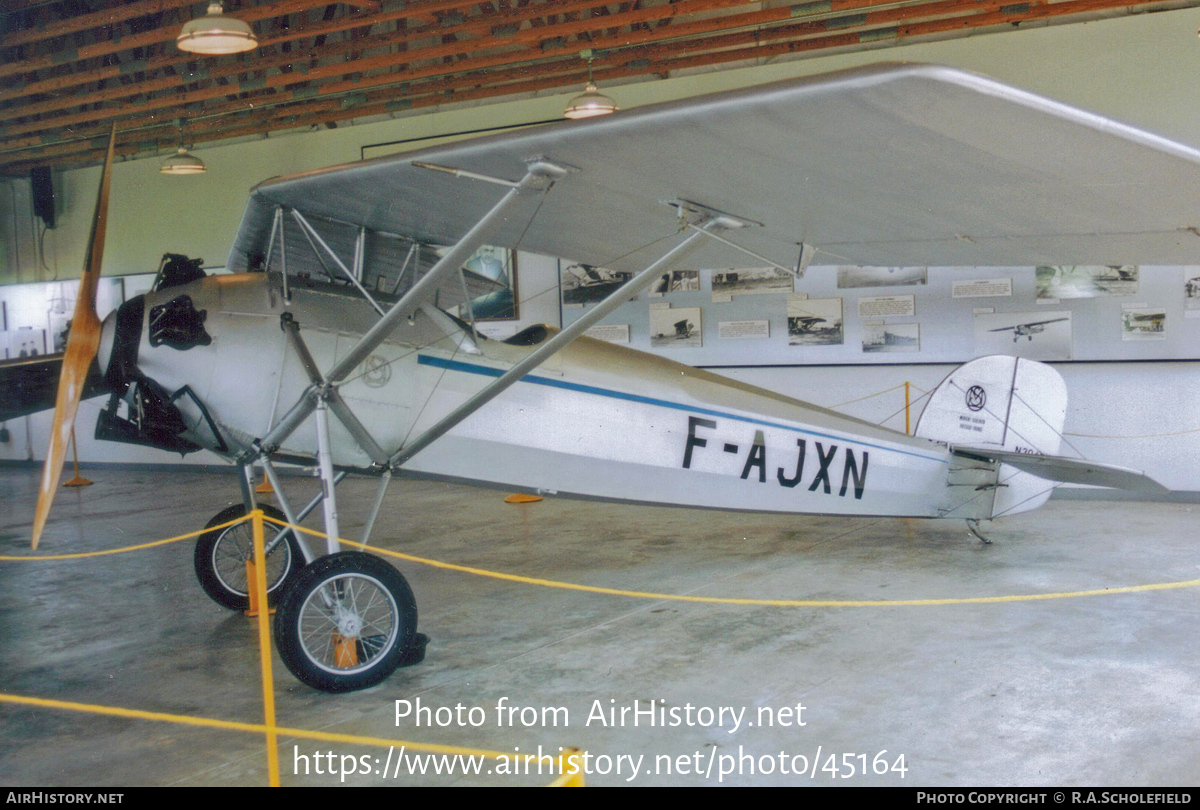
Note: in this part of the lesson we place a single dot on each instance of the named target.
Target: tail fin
(1004, 403)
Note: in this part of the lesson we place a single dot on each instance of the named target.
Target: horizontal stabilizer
(1066, 470)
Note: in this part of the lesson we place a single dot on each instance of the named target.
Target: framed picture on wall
(499, 265)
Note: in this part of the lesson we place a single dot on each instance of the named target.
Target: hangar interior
(1057, 654)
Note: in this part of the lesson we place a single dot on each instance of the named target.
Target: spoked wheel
(221, 557)
(346, 623)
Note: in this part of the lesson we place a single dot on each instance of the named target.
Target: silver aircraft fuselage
(595, 420)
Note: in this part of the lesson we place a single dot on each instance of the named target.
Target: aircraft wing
(30, 384)
(1067, 470)
(888, 165)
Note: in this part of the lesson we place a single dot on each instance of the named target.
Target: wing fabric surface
(885, 165)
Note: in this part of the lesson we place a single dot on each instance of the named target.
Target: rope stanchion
(264, 646)
(908, 403)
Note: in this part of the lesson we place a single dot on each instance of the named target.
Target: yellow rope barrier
(257, 728)
(716, 600)
(720, 600)
(124, 549)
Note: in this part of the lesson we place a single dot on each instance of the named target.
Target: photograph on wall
(1191, 292)
(891, 337)
(1144, 324)
(27, 342)
(677, 327)
(751, 281)
(1086, 281)
(814, 321)
(676, 281)
(1034, 335)
(849, 277)
(587, 284)
(500, 266)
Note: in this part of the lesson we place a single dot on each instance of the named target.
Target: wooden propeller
(82, 343)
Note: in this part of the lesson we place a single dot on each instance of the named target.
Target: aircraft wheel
(346, 623)
(220, 559)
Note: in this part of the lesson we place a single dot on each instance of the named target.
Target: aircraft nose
(120, 337)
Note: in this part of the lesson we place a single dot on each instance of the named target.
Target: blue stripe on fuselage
(487, 371)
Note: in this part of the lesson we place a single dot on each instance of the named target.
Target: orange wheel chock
(521, 497)
(345, 652)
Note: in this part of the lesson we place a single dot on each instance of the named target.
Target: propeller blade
(82, 343)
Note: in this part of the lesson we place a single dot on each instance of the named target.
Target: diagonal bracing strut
(619, 296)
(321, 396)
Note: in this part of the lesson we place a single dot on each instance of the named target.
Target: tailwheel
(221, 555)
(346, 623)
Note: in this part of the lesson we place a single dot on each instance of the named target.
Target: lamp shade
(182, 163)
(214, 33)
(589, 103)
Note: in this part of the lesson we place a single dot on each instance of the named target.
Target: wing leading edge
(890, 165)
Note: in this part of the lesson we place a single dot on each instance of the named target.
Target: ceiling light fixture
(182, 162)
(591, 102)
(214, 33)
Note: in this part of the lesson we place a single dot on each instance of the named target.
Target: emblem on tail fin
(976, 398)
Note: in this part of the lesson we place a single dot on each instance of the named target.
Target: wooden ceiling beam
(111, 45)
(650, 59)
(407, 76)
(280, 58)
(113, 15)
(332, 70)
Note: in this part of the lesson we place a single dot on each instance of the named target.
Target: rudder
(1004, 402)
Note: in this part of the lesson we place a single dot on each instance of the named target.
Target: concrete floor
(1093, 690)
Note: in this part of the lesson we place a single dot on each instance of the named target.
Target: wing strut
(540, 176)
(617, 297)
(322, 395)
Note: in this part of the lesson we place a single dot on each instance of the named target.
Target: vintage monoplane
(1027, 330)
(329, 346)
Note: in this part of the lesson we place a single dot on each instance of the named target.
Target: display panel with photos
(35, 317)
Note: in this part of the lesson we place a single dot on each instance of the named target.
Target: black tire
(372, 605)
(220, 559)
